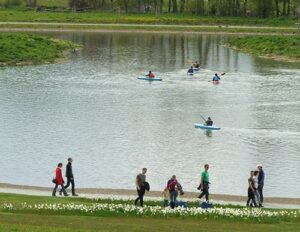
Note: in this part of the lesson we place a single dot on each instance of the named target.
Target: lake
(93, 108)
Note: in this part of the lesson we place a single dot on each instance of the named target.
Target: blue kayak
(205, 127)
(150, 79)
(196, 69)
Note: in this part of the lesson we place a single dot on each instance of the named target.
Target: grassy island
(285, 48)
(33, 213)
(19, 48)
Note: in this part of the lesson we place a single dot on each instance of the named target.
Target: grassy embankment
(17, 48)
(79, 214)
(285, 48)
(170, 22)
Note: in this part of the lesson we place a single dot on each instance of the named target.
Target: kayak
(191, 74)
(149, 79)
(216, 82)
(205, 127)
(196, 69)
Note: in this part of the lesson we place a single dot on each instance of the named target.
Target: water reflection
(95, 109)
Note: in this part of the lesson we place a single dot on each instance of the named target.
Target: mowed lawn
(44, 223)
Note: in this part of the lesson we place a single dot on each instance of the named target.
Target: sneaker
(75, 195)
(60, 193)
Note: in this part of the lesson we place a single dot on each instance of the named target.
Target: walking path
(143, 25)
(270, 202)
(143, 28)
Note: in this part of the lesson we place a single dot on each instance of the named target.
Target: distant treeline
(258, 8)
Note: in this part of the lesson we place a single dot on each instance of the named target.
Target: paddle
(203, 118)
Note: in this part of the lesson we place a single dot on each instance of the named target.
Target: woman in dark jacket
(251, 190)
(59, 180)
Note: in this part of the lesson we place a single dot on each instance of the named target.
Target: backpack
(171, 185)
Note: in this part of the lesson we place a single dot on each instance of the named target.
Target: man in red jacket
(59, 180)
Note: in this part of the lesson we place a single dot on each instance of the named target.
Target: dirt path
(140, 28)
(145, 25)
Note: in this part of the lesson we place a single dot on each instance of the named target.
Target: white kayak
(196, 69)
(150, 79)
(205, 127)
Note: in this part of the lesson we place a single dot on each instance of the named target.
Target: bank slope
(285, 48)
(21, 49)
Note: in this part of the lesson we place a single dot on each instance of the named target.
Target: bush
(9, 3)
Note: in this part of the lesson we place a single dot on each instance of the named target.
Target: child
(165, 194)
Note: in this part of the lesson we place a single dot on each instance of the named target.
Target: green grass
(25, 15)
(24, 48)
(34, 223)
(283, 46)
(53, 3)
(30, 221)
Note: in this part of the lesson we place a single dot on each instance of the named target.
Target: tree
(182, 6)
(31, 3)
(263, 8)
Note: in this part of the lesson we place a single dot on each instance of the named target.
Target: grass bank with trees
(32, 213)
(31, 15)
(285, 48)
(20, 49)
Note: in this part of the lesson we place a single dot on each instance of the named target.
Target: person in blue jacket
(216, 77)
(191, 70)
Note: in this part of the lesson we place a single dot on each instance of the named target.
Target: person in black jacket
(70, 176)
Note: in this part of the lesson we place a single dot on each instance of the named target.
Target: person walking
(255, 181)
(59, 181)
(140, 186)
(251, 190)
(173, 185)
(70, 177)
(204, 185)
(261, 182)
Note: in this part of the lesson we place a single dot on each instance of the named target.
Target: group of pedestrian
(58, 180)
(172, 189)
(255, 187)
(170, 192)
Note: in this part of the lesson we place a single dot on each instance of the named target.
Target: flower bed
(102, 209)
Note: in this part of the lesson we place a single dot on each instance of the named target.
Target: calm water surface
(94, 109)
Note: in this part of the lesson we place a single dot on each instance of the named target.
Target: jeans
(71, 180)
(166, 203)
(260, 192)
(173, 196)
(252, 198)
(205, 192)
(140, 197)
(62, 189)
(257, 196)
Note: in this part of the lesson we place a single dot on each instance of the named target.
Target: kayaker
(150, 75)
(191, 70)
(209, 122)
(216, 77)
(197, 65)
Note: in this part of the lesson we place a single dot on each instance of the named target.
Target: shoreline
(152, 29)
(133, 30)
(93, 192)
(267, 56)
